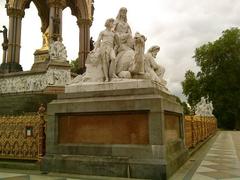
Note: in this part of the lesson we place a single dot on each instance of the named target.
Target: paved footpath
(218, 159)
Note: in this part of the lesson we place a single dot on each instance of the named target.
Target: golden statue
(45, 37)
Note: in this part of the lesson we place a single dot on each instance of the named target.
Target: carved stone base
(41, 55)
(58, 64)
(127, 129)
(41, 60)
(29, 81)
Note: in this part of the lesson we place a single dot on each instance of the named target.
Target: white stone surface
(116, 84)
(34, 82)
(152, 68)
(57, 51)
(204, 108)
(119, 55)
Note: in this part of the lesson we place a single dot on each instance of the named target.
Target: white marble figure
(123, 31)
(153, 70)
(105, 43)
(58, 51)
(210, 109)
(200, 107)
(137, 65)
(203, 108)
(94, 69)
(117, 55)
(129, 63)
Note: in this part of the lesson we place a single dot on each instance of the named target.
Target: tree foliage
(186, 109)
(219, 78)
(191, 88)
(75, 66)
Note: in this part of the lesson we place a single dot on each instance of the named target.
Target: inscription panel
(104, 128)
(172, 126)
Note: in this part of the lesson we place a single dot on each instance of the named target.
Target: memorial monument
(118, 118)
(24, 91)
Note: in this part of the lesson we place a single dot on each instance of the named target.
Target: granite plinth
(125, 129)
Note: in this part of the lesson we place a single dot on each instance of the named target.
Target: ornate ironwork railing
(198, 128)
(22, 137)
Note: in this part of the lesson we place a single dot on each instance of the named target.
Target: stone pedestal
(127, 128)
(41, 60)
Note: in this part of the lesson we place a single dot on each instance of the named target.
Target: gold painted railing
(198, 128)
(22, 137)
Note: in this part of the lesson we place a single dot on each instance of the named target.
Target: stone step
(39, 177)
(22, 165)
(21, 177)
(32, 177)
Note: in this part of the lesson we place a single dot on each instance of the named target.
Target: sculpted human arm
(129, 31)
(98, 42)
(154, 64)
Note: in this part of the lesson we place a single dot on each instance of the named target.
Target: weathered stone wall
(13, 104)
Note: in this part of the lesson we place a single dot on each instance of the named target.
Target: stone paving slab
(223, 154)
(217, 159)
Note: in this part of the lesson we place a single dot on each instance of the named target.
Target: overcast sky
(178, 27)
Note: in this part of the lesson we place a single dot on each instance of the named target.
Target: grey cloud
(196, 24)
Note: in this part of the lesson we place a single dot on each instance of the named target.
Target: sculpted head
(154, 50)
(122, 14)
(139, 38)
(109, 23)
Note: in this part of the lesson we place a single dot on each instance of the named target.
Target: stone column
(55, 19)
(4, 56)
(84, 41)
(15, 25)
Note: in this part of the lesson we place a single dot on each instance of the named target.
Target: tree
(75, 66)
(219, 78)
(191, 88)
(186, 109)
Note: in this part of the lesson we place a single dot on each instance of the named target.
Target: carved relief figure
(58, 51)
(154, 70)
(36, 82)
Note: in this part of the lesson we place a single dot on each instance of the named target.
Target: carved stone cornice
(15, 12)
(82, 22)
(57, 3)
